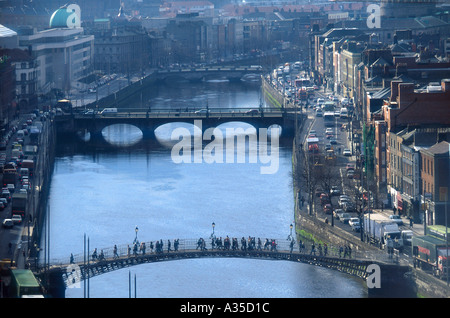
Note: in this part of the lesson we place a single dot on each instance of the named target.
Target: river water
(105, 195)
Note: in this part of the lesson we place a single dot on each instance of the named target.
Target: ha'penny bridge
(77, 268)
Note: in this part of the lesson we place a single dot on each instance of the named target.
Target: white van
(109, 111)
(344, 112)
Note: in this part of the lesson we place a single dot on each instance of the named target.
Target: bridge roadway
(82, 266)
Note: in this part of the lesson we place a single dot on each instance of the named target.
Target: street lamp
(136, 230)
(213, 225)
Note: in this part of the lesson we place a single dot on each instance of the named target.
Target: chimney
(405, 93)
(394, 90)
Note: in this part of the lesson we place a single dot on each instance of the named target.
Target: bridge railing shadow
(131, 250)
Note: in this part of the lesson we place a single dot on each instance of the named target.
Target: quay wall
(120, 98)
(271, 95)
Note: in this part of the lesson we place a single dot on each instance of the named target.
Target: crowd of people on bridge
(226, 243)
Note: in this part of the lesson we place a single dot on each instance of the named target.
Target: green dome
(59, 18)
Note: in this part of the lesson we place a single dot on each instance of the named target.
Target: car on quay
(353, 221)
(354, 224)
(6, 194)
(16, 218)
(348, 207)
(356, 227)
(396, 218)
(324, 198)
(342, 199)
(8, 223)
(345, 217)
(338, 213)
(327, 208)
(335, 191)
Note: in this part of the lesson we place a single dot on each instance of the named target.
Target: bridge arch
(122, 134)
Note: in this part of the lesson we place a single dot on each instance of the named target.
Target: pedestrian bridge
(77, 268)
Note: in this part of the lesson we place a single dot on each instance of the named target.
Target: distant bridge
(232, 73)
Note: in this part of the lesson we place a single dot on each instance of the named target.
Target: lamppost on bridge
(290, 233)
(213, 226)
(136, 231)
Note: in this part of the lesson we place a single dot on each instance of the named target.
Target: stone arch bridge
(148, 122)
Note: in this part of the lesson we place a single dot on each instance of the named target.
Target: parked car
(335, 190)
(8, 223)
(396, 218)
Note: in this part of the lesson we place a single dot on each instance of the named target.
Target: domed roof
(59, 18)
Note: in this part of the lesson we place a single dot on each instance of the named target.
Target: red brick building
(435, 172)
(409, 107)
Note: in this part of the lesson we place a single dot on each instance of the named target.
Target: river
(105, 195)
